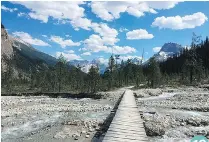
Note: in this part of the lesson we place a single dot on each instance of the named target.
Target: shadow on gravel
(99, 135)
(56, 95)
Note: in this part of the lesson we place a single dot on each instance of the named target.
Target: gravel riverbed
(41, 118)
(174, 115)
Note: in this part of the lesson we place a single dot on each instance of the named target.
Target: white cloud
(178, 23)
(111, 10)
(63, 43)
(83, 23)
(103, 61)
(69, 51)
(122, 50)
(156, 49)
(138, 34)
(8, 9)
(68, 56)
(40, 17)
(86, 54)
(21, 14)
(29, 39)
(123, 30)
(44, 36)
(67, 35)
(109, 35)
(162, 4)
(63, 12)
(94, 44)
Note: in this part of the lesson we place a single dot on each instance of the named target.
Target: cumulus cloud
(108, 35)
(138, 34)
(86, 54)
(156, 49)
(29, 39)
(64, 12)
(111, 10)
(162, 4)
(122, 49)
(69, 51)
(64, 43)
(8, 9)
(179, 23)
(68, 56)
(95, 43)
(103, 60)
(83, 23)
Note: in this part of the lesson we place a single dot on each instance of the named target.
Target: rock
(201, 132)
(87, 136)
(182, 124)
(75, 136)
(194, 121)
(91, 129)
(153, 129)
(88, 133)
(83, 132)
(59, 135)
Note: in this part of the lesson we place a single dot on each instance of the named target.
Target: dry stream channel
(170, 115)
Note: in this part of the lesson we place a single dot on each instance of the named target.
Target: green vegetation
(189, 68)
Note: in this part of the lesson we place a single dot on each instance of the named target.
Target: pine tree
(111, 68)
(94, 78)
(61, 70)
(154, 75)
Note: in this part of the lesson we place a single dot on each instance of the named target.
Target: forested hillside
(189, 67)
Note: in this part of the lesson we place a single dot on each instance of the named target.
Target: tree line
(189, 67)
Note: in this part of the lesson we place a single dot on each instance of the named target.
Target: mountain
(86, 65)
(6, 48)
(27, 50)
(21, 56)
(168, 50)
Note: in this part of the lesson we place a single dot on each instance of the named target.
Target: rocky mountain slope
(6, 48)
(86, 65)
(21, 56)
(168, 50)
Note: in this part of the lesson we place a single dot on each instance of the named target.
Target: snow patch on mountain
(86, 65)
(168, 50)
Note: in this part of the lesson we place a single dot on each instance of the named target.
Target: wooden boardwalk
(127, 125)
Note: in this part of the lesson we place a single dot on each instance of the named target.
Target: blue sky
(89, 30)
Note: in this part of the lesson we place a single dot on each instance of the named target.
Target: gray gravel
(32, 119)
(176, 114)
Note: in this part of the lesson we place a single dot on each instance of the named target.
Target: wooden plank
(127, 124)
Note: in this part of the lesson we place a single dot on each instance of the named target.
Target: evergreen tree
(94, 78)
(154, 73)
(111, 68)
(61, 68)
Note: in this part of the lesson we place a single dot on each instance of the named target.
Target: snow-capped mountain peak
(168, 50)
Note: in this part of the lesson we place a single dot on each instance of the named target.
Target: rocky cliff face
(21, 57)
(6, 48)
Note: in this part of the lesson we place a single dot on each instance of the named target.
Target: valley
(104, 71)
(170, 114)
